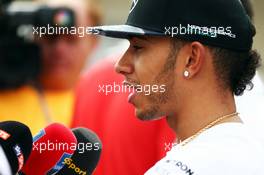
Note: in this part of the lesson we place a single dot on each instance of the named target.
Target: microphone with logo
(15, 146)
(50, 147)
(86, 156)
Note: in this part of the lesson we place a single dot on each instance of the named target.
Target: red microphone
(50, 147)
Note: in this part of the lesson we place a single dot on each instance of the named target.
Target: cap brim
(123, 31)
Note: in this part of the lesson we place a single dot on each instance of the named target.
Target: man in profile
(202, 72)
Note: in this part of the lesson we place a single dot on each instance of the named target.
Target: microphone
(86, 156)
(15, 146)
(50, 147)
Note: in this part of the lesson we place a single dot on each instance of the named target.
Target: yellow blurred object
(24, 105)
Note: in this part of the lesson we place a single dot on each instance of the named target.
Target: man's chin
(147, 115)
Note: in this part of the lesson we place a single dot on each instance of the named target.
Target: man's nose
(124, 65)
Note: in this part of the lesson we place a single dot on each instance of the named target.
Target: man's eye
(135, 47)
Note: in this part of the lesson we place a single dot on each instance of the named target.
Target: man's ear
(194, 61)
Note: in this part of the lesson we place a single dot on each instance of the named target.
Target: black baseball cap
(221, 23)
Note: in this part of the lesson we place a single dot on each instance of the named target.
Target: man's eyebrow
(144, 38)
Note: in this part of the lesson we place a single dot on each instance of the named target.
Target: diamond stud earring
(186, 74)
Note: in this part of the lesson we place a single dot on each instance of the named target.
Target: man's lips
(130, 85)
(134, 90)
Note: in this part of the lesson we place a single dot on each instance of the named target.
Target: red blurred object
(51, 145)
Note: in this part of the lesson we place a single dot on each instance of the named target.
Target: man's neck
(201, 111)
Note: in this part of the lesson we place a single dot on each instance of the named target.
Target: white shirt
(250, 106)
(225, 149)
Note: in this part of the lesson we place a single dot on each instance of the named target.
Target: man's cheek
(147, 90)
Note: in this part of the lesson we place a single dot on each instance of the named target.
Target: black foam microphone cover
(86, 156)
(16, 141)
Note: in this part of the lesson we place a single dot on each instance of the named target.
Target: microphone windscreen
(86, 156)
(16, 141)
(50, 147)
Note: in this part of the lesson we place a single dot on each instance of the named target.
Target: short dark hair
(235, 70)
